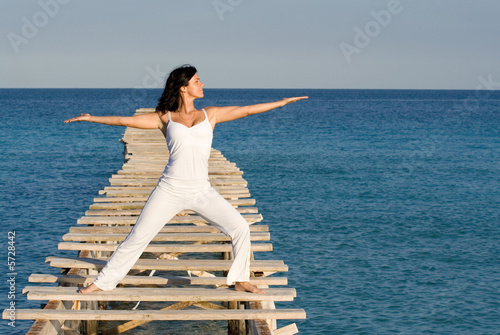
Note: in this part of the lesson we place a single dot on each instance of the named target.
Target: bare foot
(246, 286)
(89, 289)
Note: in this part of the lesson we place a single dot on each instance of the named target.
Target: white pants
(165, 202)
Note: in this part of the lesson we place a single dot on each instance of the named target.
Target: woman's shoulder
(160, 117)
(211, 114)
(210, 110)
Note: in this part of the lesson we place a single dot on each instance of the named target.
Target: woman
(184, 183)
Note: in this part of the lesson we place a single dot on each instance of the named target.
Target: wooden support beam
(43, 326)
(208, 305)
(136, 323)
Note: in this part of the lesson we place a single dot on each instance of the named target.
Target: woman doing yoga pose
(184, 183)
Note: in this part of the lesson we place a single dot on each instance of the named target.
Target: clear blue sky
(419, 44)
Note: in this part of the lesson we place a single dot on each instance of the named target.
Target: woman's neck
(186, 106)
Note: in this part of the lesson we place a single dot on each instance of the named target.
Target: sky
(330, 44)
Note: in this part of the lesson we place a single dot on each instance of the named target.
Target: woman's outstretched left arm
(229, 113)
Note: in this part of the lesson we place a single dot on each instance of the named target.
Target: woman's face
(195, 87)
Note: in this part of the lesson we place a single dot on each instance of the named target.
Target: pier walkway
(180, 275)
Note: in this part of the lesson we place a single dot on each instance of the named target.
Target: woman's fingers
(294, 99)
(82, 117)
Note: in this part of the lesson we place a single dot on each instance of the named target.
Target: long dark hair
(169, 100)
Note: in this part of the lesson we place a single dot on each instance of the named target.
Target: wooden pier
(182, 270)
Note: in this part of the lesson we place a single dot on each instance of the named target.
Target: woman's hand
(290, 100)
(82, 117)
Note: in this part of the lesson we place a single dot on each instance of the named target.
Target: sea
(383, 203)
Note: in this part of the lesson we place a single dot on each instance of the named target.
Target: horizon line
(242, 88)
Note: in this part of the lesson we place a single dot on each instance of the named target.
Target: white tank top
(189, 152)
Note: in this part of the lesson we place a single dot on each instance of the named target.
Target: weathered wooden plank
(161, 145)
(220, 179)
(170, 237)
(153, 280)
(158, 294)
(132, 168)
(203, 248)
(216, 180)
(222, 189)
(170, 315)
(140, 201)
(169, 264)
(166, 229)
(152, 156)
(214, 166)
(105, 212)
(150, 174)
(139, 205)
(135, 166)
(213, 162)
(131, 220)
(112, 191)
(287, 330)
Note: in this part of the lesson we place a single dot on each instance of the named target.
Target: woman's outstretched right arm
(143, 121)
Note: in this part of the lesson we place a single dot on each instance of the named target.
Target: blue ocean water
(384, 203)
